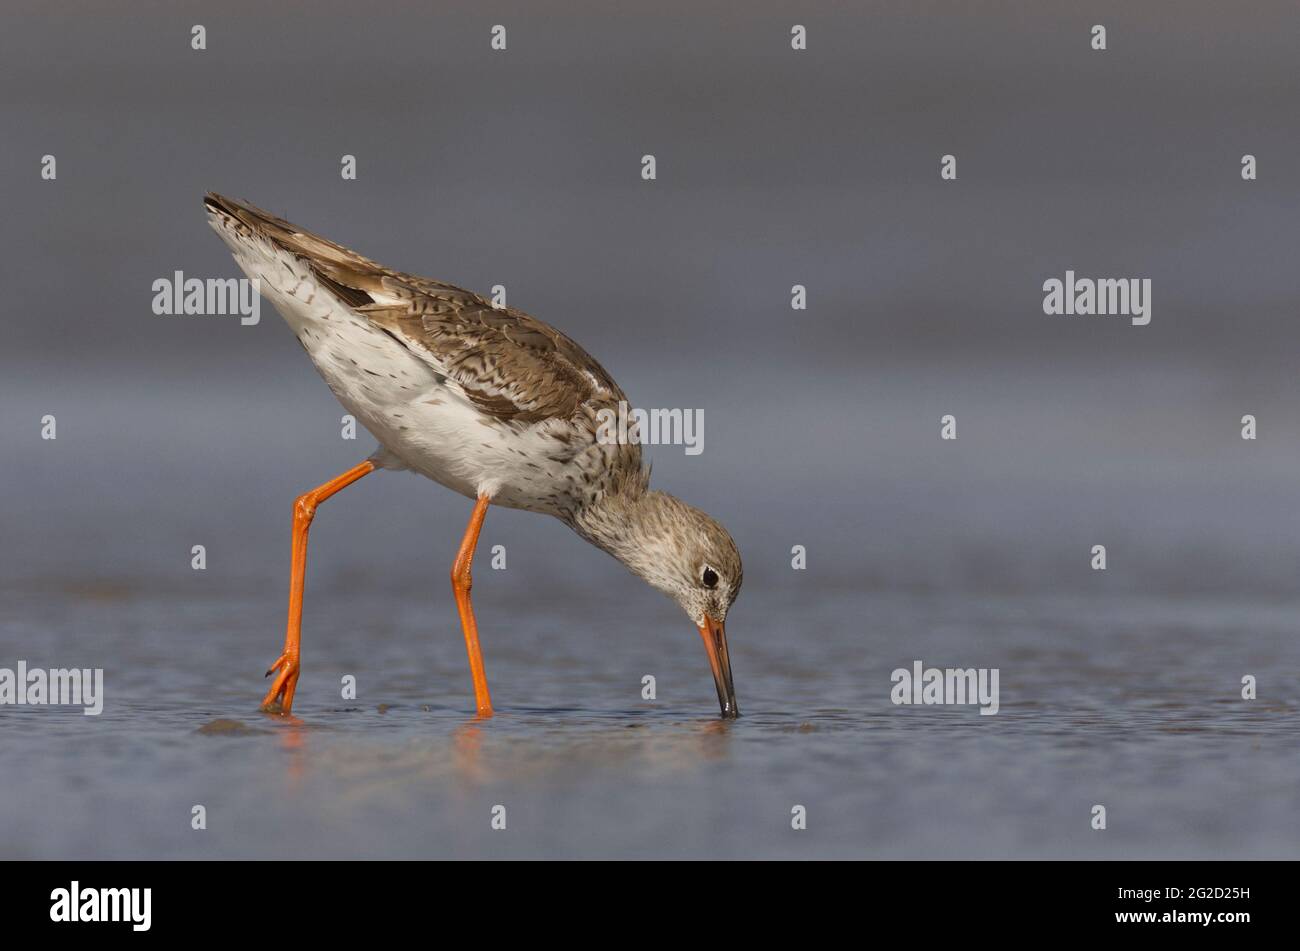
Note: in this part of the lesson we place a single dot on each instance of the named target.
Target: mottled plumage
(523, 376)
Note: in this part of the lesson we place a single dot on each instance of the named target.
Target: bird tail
(253, 222)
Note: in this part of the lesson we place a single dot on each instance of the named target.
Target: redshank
(487, 401)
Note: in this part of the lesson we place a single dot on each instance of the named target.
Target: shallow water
(1119, 688)
(1131, 703)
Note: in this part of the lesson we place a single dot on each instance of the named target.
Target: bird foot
(279, 699)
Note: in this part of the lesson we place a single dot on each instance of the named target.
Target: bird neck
(636, 528)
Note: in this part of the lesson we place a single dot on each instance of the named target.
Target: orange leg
(460, 585)
(279, 699)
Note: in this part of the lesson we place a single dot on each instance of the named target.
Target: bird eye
(710, 578)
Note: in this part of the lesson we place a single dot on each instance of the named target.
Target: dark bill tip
(715, 644)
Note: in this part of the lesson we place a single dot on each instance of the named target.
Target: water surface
(1131, 703)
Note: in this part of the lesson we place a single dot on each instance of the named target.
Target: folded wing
(513, 367)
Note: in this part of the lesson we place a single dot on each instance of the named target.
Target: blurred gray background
(821, 427)
(775, 168)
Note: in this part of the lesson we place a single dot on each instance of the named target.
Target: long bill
(715, 644)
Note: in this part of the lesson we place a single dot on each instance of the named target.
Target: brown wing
(510, 365)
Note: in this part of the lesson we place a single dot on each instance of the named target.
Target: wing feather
(513, 367)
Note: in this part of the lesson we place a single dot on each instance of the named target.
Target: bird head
(689, 556)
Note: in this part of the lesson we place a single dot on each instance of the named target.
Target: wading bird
(487, 401)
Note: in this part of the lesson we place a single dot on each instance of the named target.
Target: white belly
(416, 413)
